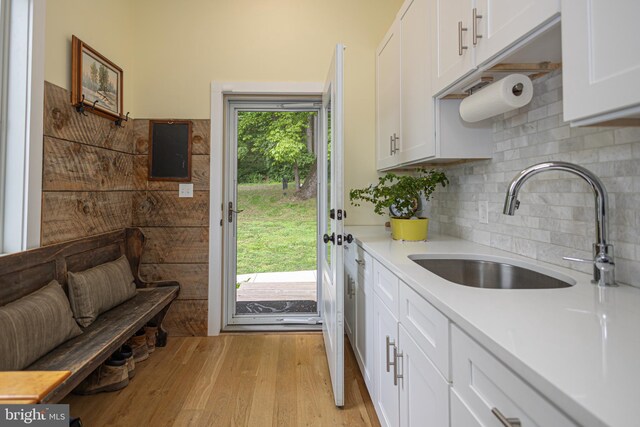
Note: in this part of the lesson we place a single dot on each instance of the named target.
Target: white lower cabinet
(385, 396)
(424, 393)
(427, 372)
(490, 390)
(409, 388)
(350, 272)
(364, 316)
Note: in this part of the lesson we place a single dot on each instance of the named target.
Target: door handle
(461, 47)
(326, 238)
(390, 343)
(231, 212)
(475, 18)
(395, 145)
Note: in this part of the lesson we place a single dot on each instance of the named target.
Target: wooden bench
(25, 272)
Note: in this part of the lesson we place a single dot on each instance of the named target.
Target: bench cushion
(99, 289)
(84, 353)
(33, 325)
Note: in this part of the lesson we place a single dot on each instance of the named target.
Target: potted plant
(400, 196)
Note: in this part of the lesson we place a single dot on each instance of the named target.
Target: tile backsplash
(557, 211)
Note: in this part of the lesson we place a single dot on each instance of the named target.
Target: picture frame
(96, 82)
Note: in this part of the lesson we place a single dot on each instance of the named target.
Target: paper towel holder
(517, 89)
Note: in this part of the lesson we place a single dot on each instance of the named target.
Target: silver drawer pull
(390, 343)
(506, 422)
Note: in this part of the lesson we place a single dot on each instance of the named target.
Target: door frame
(234, 105)
(220, 90)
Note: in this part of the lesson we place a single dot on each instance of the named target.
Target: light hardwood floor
(233, 380)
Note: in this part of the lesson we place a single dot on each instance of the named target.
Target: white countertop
(578, 346)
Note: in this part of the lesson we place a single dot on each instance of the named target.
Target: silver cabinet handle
(461, 47)
(390, 343)
(506, 422)
(475, 18)
(396, 356)
(360, 261)
(390, 145)
(395, 146)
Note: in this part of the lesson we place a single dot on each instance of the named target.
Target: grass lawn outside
(276, 232)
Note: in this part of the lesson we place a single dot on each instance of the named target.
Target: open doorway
(272, 211)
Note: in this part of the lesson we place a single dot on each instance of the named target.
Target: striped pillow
(34, 325)
(100, 288)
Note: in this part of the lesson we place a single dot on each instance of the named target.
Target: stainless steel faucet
(603, 265)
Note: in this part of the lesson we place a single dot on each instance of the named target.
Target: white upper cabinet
(601, 60)
(417, 129)
(418, 133)
(500, 23)
(388, 98)
(453, 57)
(470, 33)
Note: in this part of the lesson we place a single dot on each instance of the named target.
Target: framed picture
(95, 81)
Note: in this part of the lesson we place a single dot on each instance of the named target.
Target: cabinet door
(386, 399)
(364, 317)
(350, 306)
(449, 62)
(424, 393)
(418, 32)
(504, 22)
(483, 383)
(600, 57)
(388, 98)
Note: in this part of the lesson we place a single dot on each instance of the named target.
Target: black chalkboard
(170, 150)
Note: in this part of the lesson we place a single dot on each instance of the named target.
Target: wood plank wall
(177, 230)
(88, 170)
(95, 180)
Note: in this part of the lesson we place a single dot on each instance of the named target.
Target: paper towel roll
(509, 93)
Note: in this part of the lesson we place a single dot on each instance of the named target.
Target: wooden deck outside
(282, 286)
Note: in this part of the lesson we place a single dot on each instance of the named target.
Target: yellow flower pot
(409, 229)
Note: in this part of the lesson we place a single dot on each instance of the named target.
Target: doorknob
(348, 238)
(326, 238)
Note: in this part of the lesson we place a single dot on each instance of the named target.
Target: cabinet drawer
(483, 383)
(461, 416)
(428, 327)
(385, 284)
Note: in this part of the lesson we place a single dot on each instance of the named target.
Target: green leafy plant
(401, 191)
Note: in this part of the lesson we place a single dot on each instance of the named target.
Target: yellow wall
(106, 26)
(171, 51)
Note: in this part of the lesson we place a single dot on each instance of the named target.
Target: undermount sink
(490, 273)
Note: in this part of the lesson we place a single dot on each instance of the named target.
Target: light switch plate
(483, 212)
(185, 190)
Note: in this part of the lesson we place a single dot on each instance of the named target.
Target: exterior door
(331, 226)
